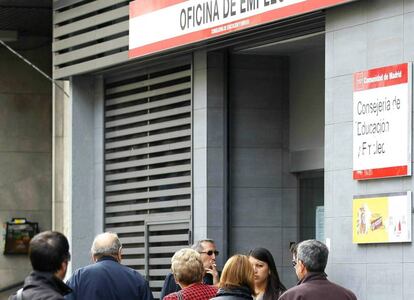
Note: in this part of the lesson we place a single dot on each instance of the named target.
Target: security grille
(89, 33)
(148, 166)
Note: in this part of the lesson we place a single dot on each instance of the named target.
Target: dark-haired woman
(267, 284)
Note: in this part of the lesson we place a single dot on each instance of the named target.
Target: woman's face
(261, 270)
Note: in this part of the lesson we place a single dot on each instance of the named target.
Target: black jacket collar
(37, 278)
(242, 292)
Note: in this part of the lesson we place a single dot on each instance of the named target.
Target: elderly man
(309, 260)
(107, 278)
(208, 253)
(49, 256)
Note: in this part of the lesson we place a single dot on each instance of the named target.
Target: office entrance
(276, 145)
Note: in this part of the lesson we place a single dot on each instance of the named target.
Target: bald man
(107, 278)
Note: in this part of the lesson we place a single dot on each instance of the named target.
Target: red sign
(157, 25)
(381, 77)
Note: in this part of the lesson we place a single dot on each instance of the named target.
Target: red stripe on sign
(381, 77)
(276, 14)
(381, 173)
(142, 7)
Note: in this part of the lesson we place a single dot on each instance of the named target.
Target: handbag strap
(180, 295)
(19, 295)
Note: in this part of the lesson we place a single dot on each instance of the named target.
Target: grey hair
(313, 254)
(105, 249)
(198, 245)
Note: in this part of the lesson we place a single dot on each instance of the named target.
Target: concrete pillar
(78, 164)
(210, 150)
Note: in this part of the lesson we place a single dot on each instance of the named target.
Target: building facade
(25, 125)
(246, 138)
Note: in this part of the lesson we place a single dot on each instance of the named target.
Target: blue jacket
(108, 280)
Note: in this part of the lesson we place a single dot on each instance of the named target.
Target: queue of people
(194, 274)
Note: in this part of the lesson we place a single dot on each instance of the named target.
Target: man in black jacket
(49, 255)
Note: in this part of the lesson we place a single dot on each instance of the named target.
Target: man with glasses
(208, 252)
(309, 260)
(49, 256)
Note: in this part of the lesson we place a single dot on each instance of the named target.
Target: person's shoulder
(78, 272)
(42, 293)
(344, 290)
(172, 296)
(210, 290)
(293, 292)
(132, 272)
(82, 273)
(210, 287)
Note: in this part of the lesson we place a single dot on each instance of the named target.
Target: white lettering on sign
(156, 25)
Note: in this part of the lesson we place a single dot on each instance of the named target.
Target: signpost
(382, 122)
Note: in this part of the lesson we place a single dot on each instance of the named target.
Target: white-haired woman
(188, 271)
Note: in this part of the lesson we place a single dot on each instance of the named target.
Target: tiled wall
(263, 194)
(362, 35)
(25, 150)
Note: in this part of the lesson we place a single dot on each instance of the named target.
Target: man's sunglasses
(210, 252)
(294, 263)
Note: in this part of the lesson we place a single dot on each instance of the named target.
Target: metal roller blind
(89, 33)
(148, 193)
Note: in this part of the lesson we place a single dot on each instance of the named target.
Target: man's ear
(302, 267)
(62, 270)
(120, 255)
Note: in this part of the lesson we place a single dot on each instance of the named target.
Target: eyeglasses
(210, 252)
(294, 263)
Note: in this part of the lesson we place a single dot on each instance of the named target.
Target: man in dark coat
(208, 251)
(309, 260)
(107, 278)
(49, 256)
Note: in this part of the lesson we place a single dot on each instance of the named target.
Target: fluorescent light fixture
(8, 35)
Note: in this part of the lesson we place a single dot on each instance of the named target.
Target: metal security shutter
(161, 248)
(148, 192)
(89, 34)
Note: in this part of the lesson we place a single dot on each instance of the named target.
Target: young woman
(267, 284)
(236, 282)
